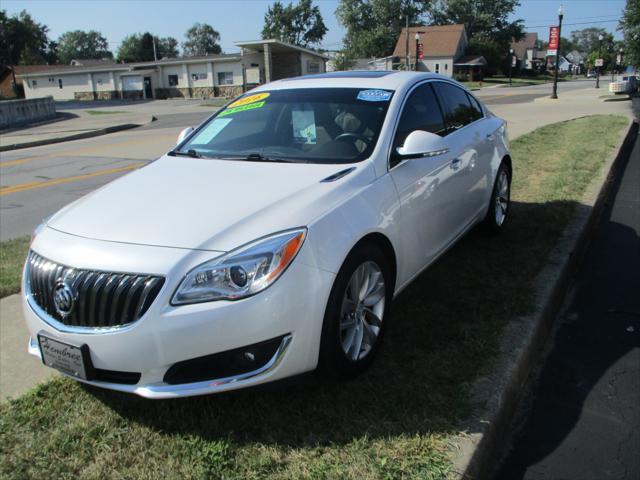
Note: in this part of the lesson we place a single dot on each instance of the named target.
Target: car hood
(208, 204)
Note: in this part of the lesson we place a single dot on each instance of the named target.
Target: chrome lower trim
(163, 390)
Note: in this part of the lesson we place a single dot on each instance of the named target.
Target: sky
(243, 19)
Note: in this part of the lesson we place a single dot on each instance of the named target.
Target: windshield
(318, 125)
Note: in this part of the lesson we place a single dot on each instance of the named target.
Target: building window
(313, 67)
(198, 76)
(225, 78)
(446, 67)
(173, 80)
(437, 69)
(34, 84)
(59, 83)
(51, 79)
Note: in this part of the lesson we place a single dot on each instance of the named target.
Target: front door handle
(455, 163)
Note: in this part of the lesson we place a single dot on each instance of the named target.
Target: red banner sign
(554, 39)
(420, 51)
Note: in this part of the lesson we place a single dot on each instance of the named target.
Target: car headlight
(242, 272)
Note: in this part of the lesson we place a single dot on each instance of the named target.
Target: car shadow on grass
(445, 328)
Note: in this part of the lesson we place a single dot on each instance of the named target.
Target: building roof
(276, 46)
(43, 70)
(528, 42)
(437, 40)
(471, 61)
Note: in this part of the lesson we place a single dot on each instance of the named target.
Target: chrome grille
(103, 299)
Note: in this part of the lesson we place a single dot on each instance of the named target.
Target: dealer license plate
(64, 357)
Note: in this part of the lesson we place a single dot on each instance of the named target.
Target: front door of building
(148, 91)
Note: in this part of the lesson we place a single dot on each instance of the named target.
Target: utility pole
(407, 43)
(155, 55)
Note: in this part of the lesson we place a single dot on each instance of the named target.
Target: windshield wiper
(189, 153)
(256, 157)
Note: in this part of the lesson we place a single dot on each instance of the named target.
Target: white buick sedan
(271, 241)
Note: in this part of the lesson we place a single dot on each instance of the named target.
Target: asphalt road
(582, 420)
(44, 179)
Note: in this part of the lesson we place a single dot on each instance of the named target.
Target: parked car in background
(271, 240)
(591, 74)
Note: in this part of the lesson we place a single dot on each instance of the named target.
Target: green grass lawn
(12, 256)
(396, 421)
(104, 112)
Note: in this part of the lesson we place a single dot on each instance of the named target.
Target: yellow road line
(57, 181)
(65, 153)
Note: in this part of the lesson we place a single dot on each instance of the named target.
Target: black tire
(333, 362)
(491, 222)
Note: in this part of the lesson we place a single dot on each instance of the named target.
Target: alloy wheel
(362, 311)
(502, 198)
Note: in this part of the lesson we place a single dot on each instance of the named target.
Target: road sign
(599, 62)
(514, 60)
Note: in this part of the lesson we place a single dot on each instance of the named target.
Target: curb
(496, 396)
(77, 136)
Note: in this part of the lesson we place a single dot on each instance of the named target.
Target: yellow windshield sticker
(241, 108)
(250, 99)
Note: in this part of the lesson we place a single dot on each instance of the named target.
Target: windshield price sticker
(241, 108)
(250, 99)
(374, 95)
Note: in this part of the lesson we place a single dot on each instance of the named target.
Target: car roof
(388, 80)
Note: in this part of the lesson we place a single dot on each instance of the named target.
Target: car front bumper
(292, 309)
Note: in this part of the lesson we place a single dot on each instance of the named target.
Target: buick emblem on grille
(64, 299)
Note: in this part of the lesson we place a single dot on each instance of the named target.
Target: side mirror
(183, 134)
(421, 144)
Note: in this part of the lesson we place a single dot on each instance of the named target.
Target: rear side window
(420, 112)
(456, 104)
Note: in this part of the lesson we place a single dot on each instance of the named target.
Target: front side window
(420, 112)
(173, 80)
(225, 78)
(314, 125)
(458, 111)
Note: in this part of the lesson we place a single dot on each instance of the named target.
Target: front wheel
(357, 314)
(500, 201)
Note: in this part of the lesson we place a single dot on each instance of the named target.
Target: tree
(586, 40)
(202, 39)
(82, 45)
(630, 26)
(299, 24)
(24, 41)
(166, 47)
(342, 61)
(487, 23)
(373, 26)
(139, 47)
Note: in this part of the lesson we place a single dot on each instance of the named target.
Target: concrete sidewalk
(19, 371)
(80, 125)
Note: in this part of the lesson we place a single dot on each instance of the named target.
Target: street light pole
(406, 51)
(555, 77)
(600, 37)
(510, 64)
(417, 44)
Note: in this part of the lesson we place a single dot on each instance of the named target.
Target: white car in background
(271, 241)
(626, 85)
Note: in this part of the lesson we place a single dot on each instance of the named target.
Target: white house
(207, 76)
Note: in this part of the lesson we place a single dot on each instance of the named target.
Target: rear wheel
(500, 200)
(357, 313)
